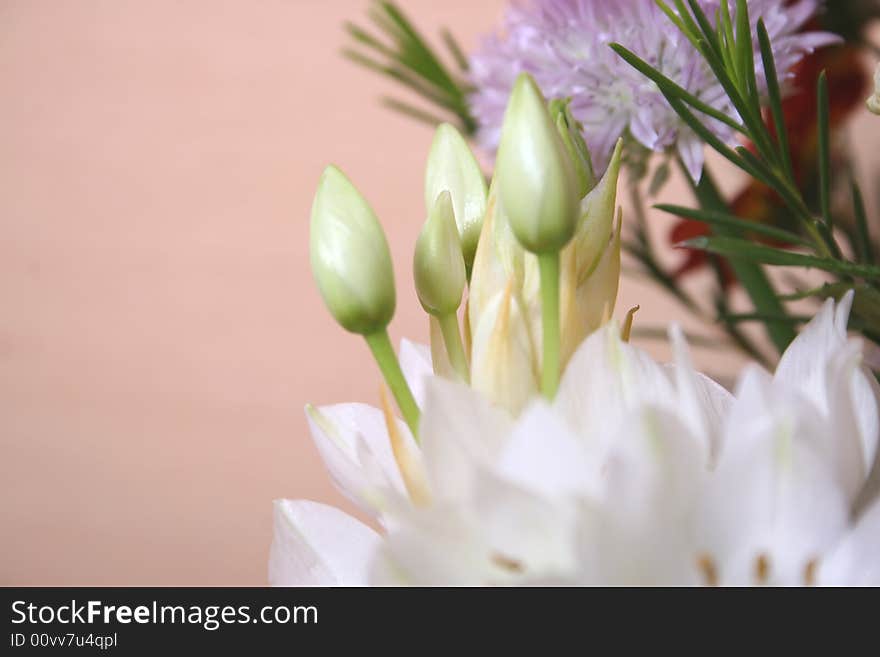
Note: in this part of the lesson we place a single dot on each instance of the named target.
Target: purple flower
(564, 44)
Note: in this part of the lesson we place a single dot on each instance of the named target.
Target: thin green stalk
(750, 275)
(775, 96)
(454, 346)
(383, 352)
(864, 245)
(548, 264)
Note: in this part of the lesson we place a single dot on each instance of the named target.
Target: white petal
(855, 561)
(774, 498)
(702, 403)
(353, 441)
(804, 363)
(459, 430)
(502, 535)
(319, 545)
(654, 470)
(865, 399)
(846, 446)
(543, 455)
(653, 477)
(440, 545)
(415, 361)
(819, 364)
(605, 379)
(527, 535)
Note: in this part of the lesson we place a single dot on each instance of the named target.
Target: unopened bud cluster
(543, 199)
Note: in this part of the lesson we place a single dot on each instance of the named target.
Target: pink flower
(564, 45)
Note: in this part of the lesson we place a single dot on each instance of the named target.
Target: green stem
(380, 345)
(548, 264)
(750, 275)
(454, 346)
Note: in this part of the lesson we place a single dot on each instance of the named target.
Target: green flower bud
(438, 265)
(537, 183)
(570, 131)
(350, 258)
(452, 167)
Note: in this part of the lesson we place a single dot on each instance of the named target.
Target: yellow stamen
(810, 572)
(762, 569)
(410, 468)
(708, 570)
(507, 563)
(628, 323)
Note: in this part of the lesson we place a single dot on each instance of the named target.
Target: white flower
(638, 473)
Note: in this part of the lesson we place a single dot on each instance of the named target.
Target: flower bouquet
(536, 445)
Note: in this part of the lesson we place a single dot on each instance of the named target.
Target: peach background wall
(159, 329)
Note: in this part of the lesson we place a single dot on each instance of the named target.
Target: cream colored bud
(452, 167)
(590, 303)
(597, 218)
(537, 183)
(499, 258)
(503, 363)
(349, 256)
(438, 265)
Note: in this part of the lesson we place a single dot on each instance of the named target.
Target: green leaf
(745, 55)
(683, 20)
(751, 275)
(659, 179)
(418, 45)
(763, 172)
(822, 292)
(455, 50)
(724, 27)
(707, 135)
(672, 16)
(866, 300)
(407, 78)
(775, 98)
(408, 59)
(661, 333)
(705, 27)
(733, 247)
(866, 304)
(765, 317)
(412, 111)
(727, 220)
(864, 246)
(749, 112)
